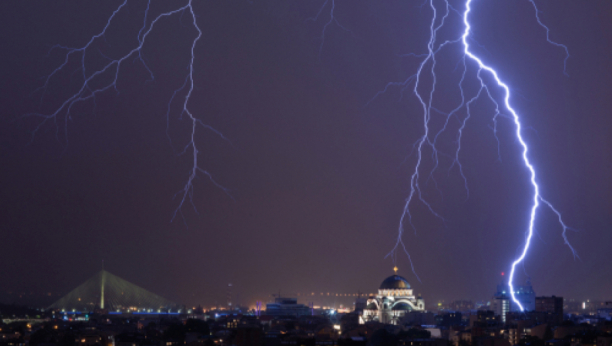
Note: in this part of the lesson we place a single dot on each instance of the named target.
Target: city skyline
(315, 179)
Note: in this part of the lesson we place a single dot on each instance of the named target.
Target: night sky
(317, 179)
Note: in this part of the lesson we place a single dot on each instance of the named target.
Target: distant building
(461, 305)
(500, 305)
(484, 319)
(393, 301)
(360, 304)
(482, 305)
(606, 311)
(525, 295)
(286, 307)
(502, 302)
(549, 304)
(448, 319)
(418, 318)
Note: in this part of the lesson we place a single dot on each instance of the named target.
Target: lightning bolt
(332, 20)
(93, 84)
(537, 198)
(429, 138)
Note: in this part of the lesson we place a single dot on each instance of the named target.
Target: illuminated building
(502, 304)
(287, 307)
(393, 301)
(526, 296)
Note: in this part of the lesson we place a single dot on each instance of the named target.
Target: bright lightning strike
(93, 84)
(536, 189)
(429, 138)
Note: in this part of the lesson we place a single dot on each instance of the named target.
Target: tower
(229, 296)
(102, 284)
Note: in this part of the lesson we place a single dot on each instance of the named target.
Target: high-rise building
(549, 304)
(525, 295)
(501, 306)
(552, 307)
(502, 300)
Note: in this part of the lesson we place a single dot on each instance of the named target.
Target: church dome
(394, 282)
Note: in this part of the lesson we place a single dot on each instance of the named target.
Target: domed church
(394, 299)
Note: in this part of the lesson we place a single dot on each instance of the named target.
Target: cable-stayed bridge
(110, 292)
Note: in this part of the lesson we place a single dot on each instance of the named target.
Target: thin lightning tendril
(484, 72)
(537, 15)
(332, 19)
(87, 91)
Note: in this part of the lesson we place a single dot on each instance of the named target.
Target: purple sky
(318, 179)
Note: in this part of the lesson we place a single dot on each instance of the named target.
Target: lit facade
(502, 302)
(393, 301)
(501, 306)
(526, 296)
